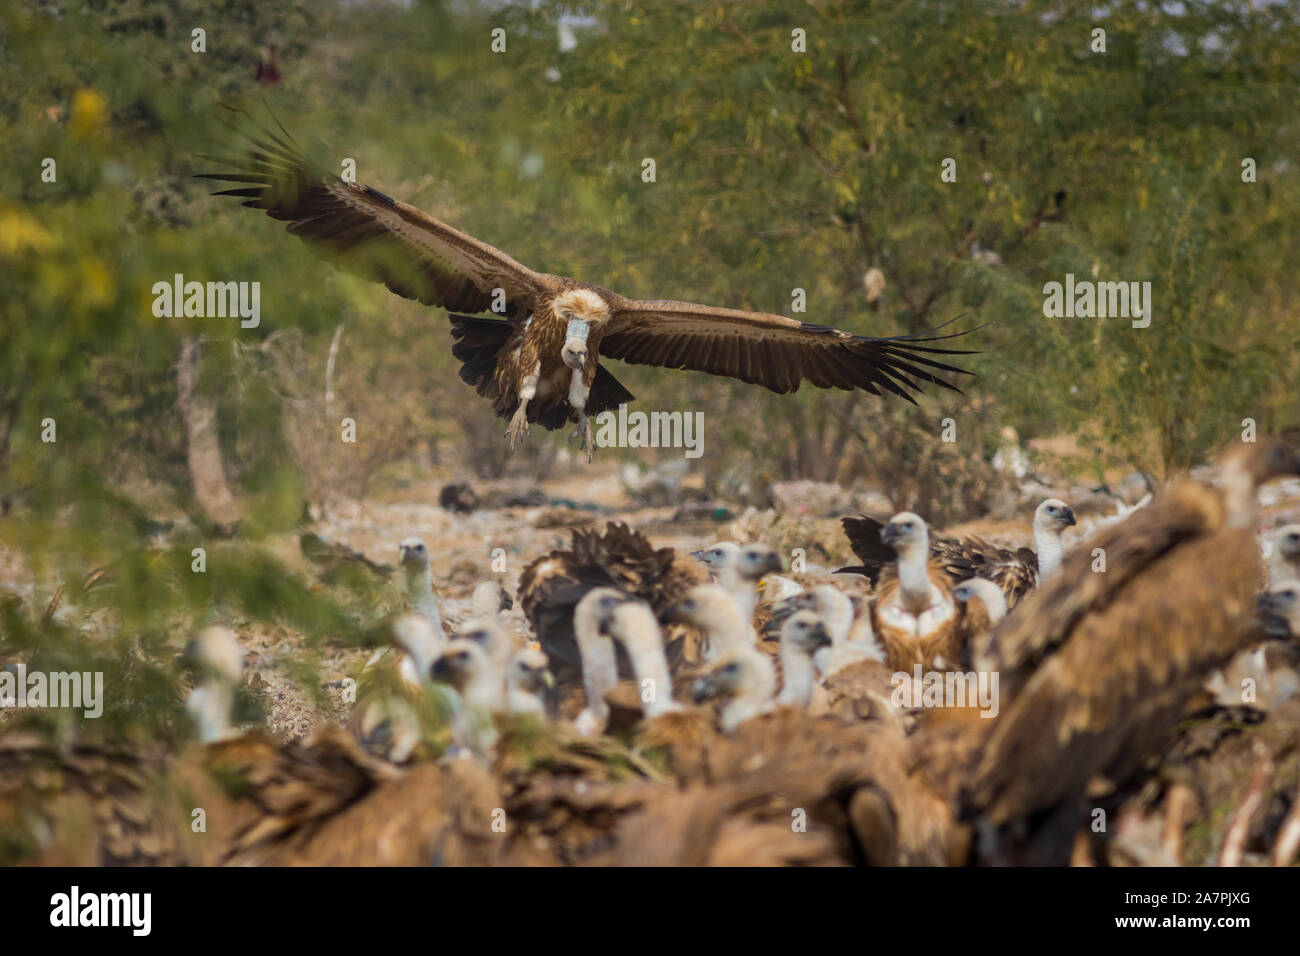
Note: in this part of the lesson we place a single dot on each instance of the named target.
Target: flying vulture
(538, 358)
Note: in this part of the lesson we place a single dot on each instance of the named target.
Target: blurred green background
(776, 170)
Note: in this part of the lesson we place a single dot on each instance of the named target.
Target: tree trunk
(203, 450)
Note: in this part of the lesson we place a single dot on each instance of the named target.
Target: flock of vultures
(944, 702)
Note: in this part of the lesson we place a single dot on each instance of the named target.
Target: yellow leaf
(89, 114)
(21, 233)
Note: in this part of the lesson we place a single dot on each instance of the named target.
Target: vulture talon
(518, 429)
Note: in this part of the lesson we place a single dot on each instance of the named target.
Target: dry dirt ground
(462, 548)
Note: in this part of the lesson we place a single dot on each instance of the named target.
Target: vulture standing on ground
(551, 587)
(983, 605)
(1098, 667)
(1016, 572)
(916, 619)
(539, 360)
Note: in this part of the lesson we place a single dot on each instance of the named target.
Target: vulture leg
(519, 423)
(586, 442)
(578, 392)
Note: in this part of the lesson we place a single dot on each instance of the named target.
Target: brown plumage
(538, 361)
(1099, 666)
(859, 691)
(96, 806)
(1015, 572)
(904, 647)
(915, 618)
(957, 558)
(864, 798)
(551, 587)
(107, 806)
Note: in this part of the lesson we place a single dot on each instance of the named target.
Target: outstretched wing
(376, 237)
(774, 351)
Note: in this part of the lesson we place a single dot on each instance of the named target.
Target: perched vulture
(916, 619)
(538, 360)
(983, 605)
(1016, 572)
(857, 784)
(1097, 666)
(419, 582)
(551, 587)
(884, 811)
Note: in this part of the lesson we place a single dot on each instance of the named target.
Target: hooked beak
(705, 688)
(1067, 517)
(820, 637)
(889, 534)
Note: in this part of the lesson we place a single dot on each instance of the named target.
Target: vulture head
(805, 632)
(580, 309)
(708, 607)
(415, 554)
(755, 560)
(907, 534)
(1053, 516)
(214, 652)
(529, 671)
(717, 557)
(987, 593)
(745, 679)
(803, 601)
(594, 612)
(461, 664)
(488, 634)
(712, 609)
(748, 563)
(782, 610)
(1280, 610)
